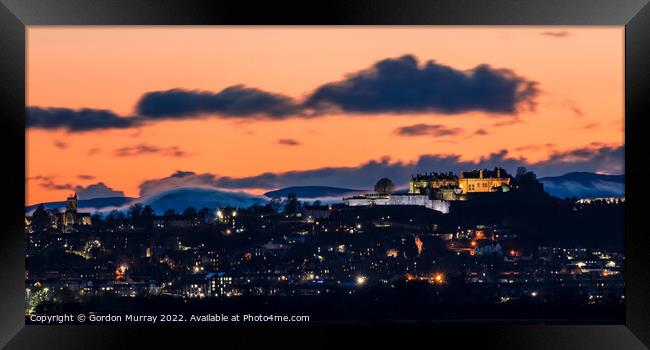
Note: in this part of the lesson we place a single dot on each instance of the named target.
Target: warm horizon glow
(579, 75)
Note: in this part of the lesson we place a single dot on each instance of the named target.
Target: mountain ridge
(584, 185)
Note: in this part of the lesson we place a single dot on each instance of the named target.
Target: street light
(361, 280)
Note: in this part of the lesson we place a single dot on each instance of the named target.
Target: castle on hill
(448, 186)
(436, 190)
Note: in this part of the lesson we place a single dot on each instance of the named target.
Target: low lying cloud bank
(592, 158)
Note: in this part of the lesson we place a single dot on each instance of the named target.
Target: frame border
(15, 15)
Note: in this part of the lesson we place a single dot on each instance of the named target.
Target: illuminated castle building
(424, 183)
(448, 186)
(441, 186)
(436, 190)
(484, 180)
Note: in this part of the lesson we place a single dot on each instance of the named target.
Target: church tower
(70, 214)
(72, 203)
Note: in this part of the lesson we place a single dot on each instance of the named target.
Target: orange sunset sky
(577, 71)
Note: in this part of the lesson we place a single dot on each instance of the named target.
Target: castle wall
(420, 200)
(358, 201)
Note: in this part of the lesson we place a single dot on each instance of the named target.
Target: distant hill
(585, 185)
(181, 198)
(95, 203)
(177, 199)
(313, 192)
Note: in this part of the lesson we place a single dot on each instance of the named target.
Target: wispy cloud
(556, 34)
(421, 129)
(289, 142)
(589, 126)
(480, 132)
(507, 122)
(546, 146)
(144, 149)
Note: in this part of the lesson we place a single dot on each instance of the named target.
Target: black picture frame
(15, 15)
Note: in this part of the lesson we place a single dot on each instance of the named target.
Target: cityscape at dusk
(344, 174)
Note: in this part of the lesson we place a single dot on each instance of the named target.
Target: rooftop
(485, 173)
(434, 176)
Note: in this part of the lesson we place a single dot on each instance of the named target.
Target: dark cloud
(394, 85)
(76, 119)
(289, 142)
(594, 157)
(98, 190)
(180, 173)
(47, 182)
(86, 177)
(591, 158)
(556, 34)
(60, 144)
(403, 85)
(234, 101)
(436, 130)
(177, 180)
(143, 149)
